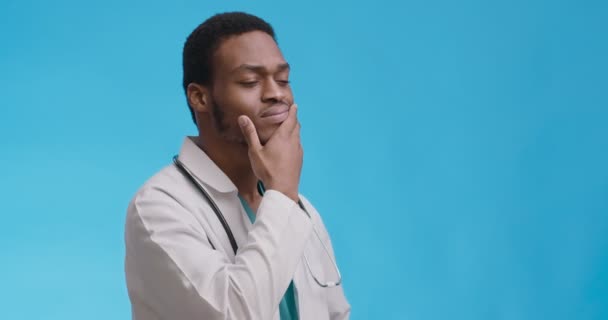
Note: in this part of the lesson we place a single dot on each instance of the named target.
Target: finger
(249, 132)
(289, 124)
(297, 125)
(297, 128)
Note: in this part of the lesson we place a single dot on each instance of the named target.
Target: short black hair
(207, 37)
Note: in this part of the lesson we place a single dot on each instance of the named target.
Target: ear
(198, 97)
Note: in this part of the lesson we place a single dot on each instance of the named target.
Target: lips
(275, 110)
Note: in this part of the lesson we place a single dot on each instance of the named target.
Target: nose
(273, 92)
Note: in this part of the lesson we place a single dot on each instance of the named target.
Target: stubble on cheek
(230, 132)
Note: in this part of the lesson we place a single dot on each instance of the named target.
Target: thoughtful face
(250, 77)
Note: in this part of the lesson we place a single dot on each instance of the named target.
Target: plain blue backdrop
(458, 150)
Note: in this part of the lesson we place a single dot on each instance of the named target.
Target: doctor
(222, 232)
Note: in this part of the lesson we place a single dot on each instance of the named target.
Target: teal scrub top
(287, 307)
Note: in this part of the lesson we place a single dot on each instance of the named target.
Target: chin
(266, 134)
(263, 140)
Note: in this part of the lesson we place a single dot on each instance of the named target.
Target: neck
(233, 160)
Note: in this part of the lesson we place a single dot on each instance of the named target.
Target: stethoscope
(188, 174)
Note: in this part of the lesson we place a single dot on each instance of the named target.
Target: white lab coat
(180, 266)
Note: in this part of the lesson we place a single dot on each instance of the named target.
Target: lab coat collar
(203, 168)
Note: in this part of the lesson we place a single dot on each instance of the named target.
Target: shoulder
(157, 187)
(163, 197)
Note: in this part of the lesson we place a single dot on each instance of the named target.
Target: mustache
(279, 103)
(221, 111)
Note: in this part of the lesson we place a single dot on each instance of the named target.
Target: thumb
(249, 132)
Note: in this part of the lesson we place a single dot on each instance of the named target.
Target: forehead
(255, 48)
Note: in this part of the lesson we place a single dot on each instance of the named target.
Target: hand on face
(278, 163)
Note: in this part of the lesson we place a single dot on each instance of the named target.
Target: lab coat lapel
(222, 191)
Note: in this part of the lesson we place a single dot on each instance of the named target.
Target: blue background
(457, 150)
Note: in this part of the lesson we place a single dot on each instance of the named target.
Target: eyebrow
(260, 68)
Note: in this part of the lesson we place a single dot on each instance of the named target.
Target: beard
(231, 133)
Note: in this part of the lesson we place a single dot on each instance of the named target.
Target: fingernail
(242, 121)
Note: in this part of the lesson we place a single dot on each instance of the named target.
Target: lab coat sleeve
(173, 270)
(338, 306)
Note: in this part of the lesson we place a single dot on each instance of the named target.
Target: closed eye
(248, 83)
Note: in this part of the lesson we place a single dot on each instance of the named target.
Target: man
(223, 232)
